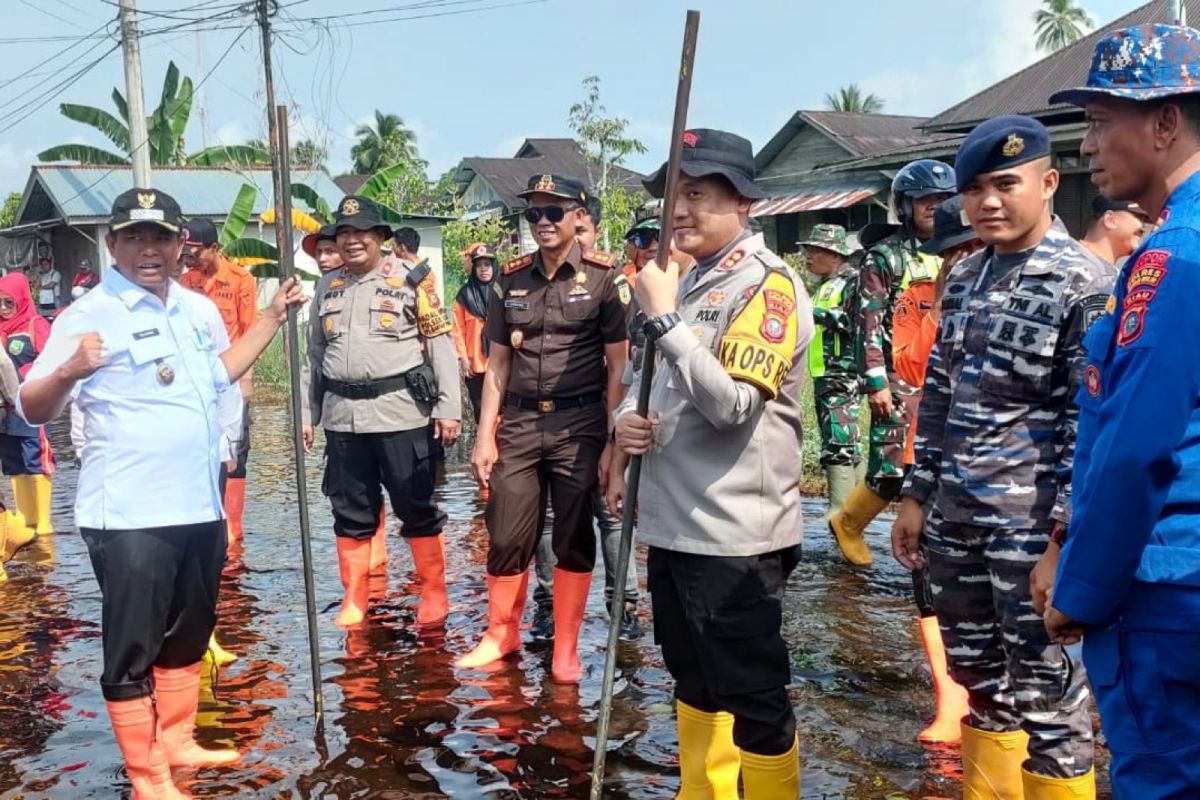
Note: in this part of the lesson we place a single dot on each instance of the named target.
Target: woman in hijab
(25, 453)
(470, 314)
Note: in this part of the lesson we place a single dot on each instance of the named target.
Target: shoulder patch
(760, 342)
(733, 259)
(517, 264)
(432, 319)
(600, 258)
(1141, 287)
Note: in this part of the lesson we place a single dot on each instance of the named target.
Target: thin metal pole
(139, 137)
(281, 180)
(683, 93)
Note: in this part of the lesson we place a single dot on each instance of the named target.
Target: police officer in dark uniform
(385, 385)
(557, 324)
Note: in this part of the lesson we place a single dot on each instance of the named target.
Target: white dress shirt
(151, 419)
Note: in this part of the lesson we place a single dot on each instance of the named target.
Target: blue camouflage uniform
(994, 451)
(1130, 569)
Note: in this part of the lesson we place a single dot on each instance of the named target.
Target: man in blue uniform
(1129, 574)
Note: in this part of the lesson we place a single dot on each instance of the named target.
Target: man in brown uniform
(557, 327)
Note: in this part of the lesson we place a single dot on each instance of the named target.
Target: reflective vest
(923, 268)
(828, 297)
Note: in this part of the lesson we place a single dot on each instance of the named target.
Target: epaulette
(517, 264)
(733, 259)
(600, 258)
(417, 274)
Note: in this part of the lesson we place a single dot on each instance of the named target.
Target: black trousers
(360, 466)
(555, 455)
(475, 392)
(159, 588)
(718, 620)
(243, 451)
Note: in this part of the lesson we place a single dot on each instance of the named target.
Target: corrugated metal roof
(1028, 91)
(87, 192)
(814, 199)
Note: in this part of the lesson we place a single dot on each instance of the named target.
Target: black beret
(1000, 143)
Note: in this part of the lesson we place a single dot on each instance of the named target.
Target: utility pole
(139, 137)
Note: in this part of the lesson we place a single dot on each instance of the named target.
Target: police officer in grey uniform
(995, 448)
(383, 367)
(719, 504)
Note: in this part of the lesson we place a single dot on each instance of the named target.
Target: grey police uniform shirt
(722, 474)
(373, 326)
(995, 441)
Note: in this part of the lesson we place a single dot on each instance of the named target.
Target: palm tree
(383, 144)
(1060, 23)
(165, 132)
(852, 99)
(309, 155)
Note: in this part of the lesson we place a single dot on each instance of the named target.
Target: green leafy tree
(8, 214)
(383, 143)
(618, 207)
(307, 154)
(604, 142)
(165, 132)
(854, 100)
(1060, 23)
(459, 234)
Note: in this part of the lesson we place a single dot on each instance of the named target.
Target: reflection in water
(401, 722)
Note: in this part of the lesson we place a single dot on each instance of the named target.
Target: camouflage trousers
(997, 646)
(838, 406)
(885, 453)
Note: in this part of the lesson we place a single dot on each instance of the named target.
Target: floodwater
(400, 720)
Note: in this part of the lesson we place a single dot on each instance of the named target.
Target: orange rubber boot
(430, 558)
(235, 505)
(145, 759)
(951, 698)
(570, 600)
(379, 555)
(354, 563)
(506, 603)
(177, 693)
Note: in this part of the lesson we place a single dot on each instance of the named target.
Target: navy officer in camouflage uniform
(994, 451)
(832, 363)
(1129, 574)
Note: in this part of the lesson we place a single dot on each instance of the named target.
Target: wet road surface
(401, 721)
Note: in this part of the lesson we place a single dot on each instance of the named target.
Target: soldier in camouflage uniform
(994, 454)
(890, 265)
(831, 357)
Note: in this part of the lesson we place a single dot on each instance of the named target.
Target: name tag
(520, 305)
(146, 334)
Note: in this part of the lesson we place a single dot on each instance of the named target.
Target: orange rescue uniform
(234, 292)
(468, 338)
(914, 332)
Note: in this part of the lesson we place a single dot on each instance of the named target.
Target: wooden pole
(683, 93)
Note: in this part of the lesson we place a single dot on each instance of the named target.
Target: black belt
(366, 390)
(551, 404)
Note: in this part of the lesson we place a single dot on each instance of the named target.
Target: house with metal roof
(793, 166)
(64, 210)
(491, 185)
(1025, 92)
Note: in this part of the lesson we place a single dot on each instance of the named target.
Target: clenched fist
(87, 358)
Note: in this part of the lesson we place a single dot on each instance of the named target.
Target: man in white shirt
(49, 282)
(136, 358)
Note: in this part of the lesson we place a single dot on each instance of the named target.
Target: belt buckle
(545, 406)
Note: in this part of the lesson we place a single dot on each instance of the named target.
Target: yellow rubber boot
(43, 492)
(772, 777)
(992, 764)
(215, 654)
(25, 499)
(17, 535)
(1039, 787)
(709, 761)
(848, 524)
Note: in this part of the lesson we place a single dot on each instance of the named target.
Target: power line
(55, 90)
(30, 72)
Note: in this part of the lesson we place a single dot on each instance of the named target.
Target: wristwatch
(1058, 534)
(656, 327)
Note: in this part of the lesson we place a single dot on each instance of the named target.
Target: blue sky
(477, 83)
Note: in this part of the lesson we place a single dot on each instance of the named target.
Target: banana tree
(165, 130)
(262, 258)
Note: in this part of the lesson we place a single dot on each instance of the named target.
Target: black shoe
(543, 623)
(630, 629)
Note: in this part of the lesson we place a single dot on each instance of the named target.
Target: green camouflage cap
(829, 237)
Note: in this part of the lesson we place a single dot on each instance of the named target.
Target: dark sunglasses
(644, 240)
(553, 214)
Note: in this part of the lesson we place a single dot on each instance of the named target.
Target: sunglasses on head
(553, 214)
(644, 240)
